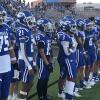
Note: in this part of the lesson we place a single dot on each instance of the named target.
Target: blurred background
(54, 9)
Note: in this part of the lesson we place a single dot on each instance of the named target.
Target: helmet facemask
(89, 26)
(48, 27)
(30, 21)
(73, 28)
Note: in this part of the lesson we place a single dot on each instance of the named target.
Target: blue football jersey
(65, 37)
(46, 39)
(24, 35)
(89, 44)
(5, 34)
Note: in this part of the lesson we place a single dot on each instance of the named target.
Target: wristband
(71, 50)
(29, 67)
(11, 48)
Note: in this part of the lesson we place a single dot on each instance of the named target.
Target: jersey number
(91, 42)
(4, 41)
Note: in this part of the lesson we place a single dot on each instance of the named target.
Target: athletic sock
(69, 89)
(10, 97)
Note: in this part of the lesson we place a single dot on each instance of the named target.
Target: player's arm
(41, 51)
(12, 54)
(95, 38)
(80, 42)
(34, 44)
(43, 56)
(13, 57)
(80, 39)
(66, 46)
(22, 49)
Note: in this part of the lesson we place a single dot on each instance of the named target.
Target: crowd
(12, 6)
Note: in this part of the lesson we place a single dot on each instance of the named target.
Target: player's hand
(34, 67)
(85, 55)
(49, 67)
(31, 72)
(16, 74)
(34, 63)
(15, 66)
(71, 48)
(16, 71)
(35, 70)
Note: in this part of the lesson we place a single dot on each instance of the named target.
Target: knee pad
(69, 87)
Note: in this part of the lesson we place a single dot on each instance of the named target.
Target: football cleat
(61, 95)
(76, 94)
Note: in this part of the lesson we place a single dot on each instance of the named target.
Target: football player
(90, 48)
(6, 56)
(97, 33)
(44, 59)
(80, 37)
(25, 46)
(62, 78)
(14, 73)
(67, 47)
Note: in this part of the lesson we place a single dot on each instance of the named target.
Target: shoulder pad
(6, 25)
(22, 28)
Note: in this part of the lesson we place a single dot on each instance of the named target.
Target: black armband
(15, 66)
(40, 45)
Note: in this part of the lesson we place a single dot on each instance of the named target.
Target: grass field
(87, 94)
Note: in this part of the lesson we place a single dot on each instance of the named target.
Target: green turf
(91, 94)
(87, 94)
